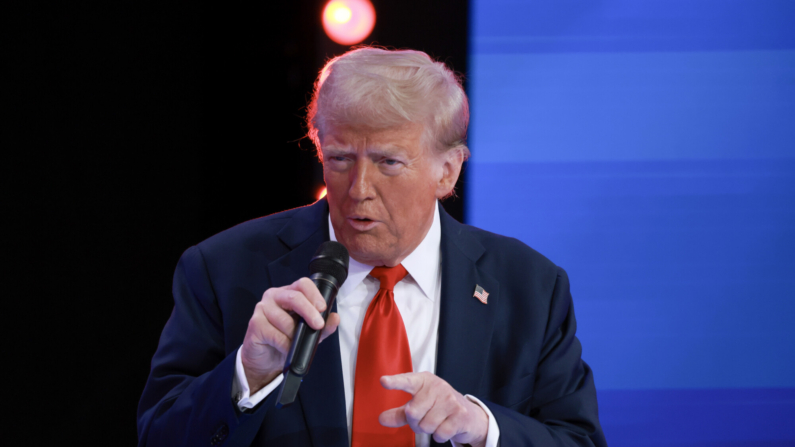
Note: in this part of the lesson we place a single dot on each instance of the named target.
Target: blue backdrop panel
(649, 149)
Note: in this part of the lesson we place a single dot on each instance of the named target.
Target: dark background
(139, 131)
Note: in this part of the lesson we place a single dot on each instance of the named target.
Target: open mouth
(362, 223)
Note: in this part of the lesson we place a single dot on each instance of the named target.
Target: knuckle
(266, 305)
(426, 426)
(259, 310)
(270, 294)
(310, 287)
(292, 301)
(269, 313)
(444, 432)
(256, 321)
(430, 379)
(288, 323)
(412, 412)
(305, 284)
(278, 340)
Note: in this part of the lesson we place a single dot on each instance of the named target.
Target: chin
(365, 256)
(365, 253)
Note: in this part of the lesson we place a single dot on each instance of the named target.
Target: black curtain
(138, 131)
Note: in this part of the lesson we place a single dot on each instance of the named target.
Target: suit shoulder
(507, 252)
(259, 232)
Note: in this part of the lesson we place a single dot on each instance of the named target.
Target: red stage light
(322, 193)
(348, 22)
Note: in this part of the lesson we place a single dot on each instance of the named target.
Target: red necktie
(383, 351)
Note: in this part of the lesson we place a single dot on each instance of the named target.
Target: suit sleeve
(187, 399)
(564, 409)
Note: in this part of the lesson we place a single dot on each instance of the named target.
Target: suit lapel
(465, 323)
(302, 234)
(322, 395)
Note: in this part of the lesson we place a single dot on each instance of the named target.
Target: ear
(451, 162)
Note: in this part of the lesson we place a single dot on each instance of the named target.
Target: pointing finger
(408, 382)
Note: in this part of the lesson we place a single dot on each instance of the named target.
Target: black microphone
(328, 270)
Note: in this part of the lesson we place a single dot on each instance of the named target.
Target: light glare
(342, 14)
(348, 22)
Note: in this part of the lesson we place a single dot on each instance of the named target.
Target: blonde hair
(380, 88)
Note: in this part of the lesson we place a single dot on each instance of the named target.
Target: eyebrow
(386, 151)
(383, 151)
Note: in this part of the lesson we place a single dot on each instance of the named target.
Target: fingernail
(321, 306)
(319, 321)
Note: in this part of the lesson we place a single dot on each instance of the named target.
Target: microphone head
(331, 258)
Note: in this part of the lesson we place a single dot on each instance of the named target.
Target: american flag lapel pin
(481, 294)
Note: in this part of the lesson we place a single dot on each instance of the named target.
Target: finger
(263, 333)
(277, 340)
(309, 289)
(417, 409)
(279, 318)
(395, 417)
(295, 301)
(408, 382)
(432, 419)
(332, 323)
(446, 430)
(444, 418)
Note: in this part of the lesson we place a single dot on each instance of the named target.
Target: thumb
(332, 323)
(395, 417)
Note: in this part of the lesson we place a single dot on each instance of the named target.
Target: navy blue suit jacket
(518, 353)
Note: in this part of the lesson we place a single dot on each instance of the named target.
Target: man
(441, 332)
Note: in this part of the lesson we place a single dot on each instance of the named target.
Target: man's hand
(436, 409)
(271, 328)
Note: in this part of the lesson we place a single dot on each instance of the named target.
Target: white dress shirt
(417, 297)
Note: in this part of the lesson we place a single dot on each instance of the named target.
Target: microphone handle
(305, 341)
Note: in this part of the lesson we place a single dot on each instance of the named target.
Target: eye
(391, 166)
(337, 162)
(337, 158)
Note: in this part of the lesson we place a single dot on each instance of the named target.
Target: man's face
(382, 186)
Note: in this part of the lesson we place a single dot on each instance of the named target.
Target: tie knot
(389, 276)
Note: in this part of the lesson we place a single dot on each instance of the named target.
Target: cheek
(409, 202)
(336, 184)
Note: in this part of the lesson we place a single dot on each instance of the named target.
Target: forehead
(407, 137)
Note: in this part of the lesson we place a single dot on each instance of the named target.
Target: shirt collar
(422, 263)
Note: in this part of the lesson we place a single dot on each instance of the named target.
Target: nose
(362, 181)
